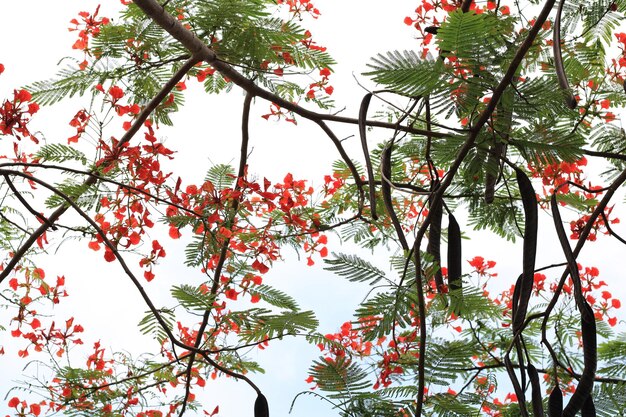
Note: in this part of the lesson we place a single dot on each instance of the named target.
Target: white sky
(35, 38)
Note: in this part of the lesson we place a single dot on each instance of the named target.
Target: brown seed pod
(533, 375)
(434, 242)
(455, 261)
(555, 403)
(491, 179)
(590, 360)
(529, 200)
(385, 188)
(365, 103)
(570, 100)
(588, 322)
(261, 408)
(589, 408)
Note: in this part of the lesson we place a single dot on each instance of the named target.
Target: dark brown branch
(466, 6)
(610, 230)
(203, 52)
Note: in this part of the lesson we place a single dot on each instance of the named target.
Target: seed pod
(570, 100)
(515, 298)
(555, 403)
(434, 242)
(454, 255)
(533, 375)
(368, 162)
(590, 359)
(491, 178)
(529, 200)
(385, 188)
(589, 408)
(261, 408)
(588, 322)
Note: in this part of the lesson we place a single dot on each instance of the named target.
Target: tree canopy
(503, 118)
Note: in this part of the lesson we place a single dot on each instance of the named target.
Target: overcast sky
(35, 38)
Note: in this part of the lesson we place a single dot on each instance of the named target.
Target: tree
(496, 102)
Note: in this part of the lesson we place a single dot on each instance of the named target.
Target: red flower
(14, 402)
(262, 268)
(174, 232)
(35, 409)
(109, 256)
(231, 294)
(148, 275)
(116, 93)
(481, 267)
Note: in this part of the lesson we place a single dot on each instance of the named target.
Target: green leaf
(406, 73)
(354, 268)
(192, 298)
(274, 297)
(58, 152)
(149, 325)
(339, 375)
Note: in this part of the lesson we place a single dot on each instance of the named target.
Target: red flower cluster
(79, 121)
(89, 26)
(15, 115)
(481, 266)
(321, 85)
(299, 7)
(557, 175)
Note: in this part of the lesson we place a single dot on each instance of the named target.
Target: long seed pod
(570, 100)
(529, 201)
(455, 261)
(515, 298)
(385, 188)
(365, 103)
(590, 360)
(434, 242)
(555, 403)
(588, 322)
(589, 408)
(519, 392)
(533, 375)
(261, 408)
(491, 178)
